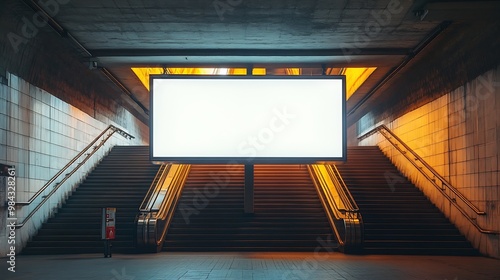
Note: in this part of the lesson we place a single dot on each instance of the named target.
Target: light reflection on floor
(251, 265)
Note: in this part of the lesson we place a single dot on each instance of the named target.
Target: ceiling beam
(394, 71)
(462, 10)
(248, 52)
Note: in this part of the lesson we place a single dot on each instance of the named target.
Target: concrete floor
(287, 266)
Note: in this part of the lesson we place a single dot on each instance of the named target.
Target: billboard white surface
(248, 119)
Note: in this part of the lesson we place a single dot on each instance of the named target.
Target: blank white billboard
(250, 119)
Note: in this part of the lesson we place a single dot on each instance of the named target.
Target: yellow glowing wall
(355, 77)
(456, 134)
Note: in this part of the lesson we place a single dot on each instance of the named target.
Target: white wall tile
(40, 133)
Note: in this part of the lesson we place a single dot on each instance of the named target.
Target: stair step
(233, 248)
(312, 244)
(421, 236)
(120, 180)
(397, 218)
(288, 214)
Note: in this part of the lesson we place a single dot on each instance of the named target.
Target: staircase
(397, 217)
(288, 214)
(120, 180)
(285, 198)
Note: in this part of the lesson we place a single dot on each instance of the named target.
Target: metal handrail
(344, 192)
(382, 129)
(343, 214)
(160, 176)
(335, 207)
(111, 128)
(166, 209)
(158, 207)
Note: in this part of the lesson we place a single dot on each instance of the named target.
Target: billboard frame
(249, 160)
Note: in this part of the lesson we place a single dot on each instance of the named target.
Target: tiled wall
(459, 135)
(39, 134)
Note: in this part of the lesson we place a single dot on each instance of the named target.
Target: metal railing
(340, 207)
(351, 205)
(448, 191)
(158, 207)
(153, 188)
(84, 155)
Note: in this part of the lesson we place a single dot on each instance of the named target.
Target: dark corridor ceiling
(386, 34)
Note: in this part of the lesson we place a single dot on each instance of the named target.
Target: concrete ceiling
(119, 34)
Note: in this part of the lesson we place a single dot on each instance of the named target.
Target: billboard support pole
(249, 189)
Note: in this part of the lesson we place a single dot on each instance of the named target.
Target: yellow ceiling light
(259, 71)
(355, 77)
(143, 74)
(237, 71)
(293, 71)
(197, 71)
